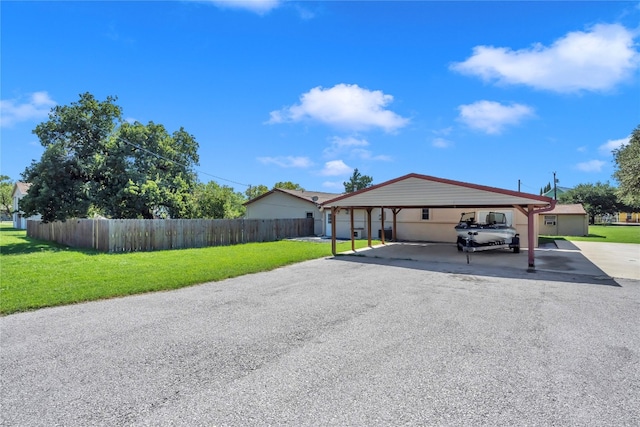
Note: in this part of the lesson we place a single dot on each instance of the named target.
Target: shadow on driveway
(551, 265)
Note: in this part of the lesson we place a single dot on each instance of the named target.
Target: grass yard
(36, 274)
(604, 233)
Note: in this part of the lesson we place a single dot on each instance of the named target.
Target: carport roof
(415, 190)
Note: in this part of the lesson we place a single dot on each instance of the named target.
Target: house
(413, 207)
(564, 220)
(555, 193)
(423, 207)
(281, 203)
(627, 217)
(20, 189)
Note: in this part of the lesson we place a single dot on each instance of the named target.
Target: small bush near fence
(128, 235)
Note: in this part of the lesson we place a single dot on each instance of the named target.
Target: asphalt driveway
(339, 341)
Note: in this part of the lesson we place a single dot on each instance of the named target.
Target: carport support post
(369, 225)
(333, 230)
(393, 231)
(530, 238)
(530, 212)
(353, 241)
(382, 224)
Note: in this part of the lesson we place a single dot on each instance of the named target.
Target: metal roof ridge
(443, 181)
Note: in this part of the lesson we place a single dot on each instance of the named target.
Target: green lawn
(36, 274)
(604, 233)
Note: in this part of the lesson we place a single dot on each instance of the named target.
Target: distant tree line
(602, 198)
(6, 203)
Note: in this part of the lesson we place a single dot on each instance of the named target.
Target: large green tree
(6, 203)
(597, 199)
(627, 159)
(357, 181)
(256, 190)
(545, 188)
(93, 161)
(288, 185)
(217, 202)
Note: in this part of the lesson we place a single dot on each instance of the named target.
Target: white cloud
(612, 144)
(257, 6)
(444, 131)
(353, 147)
(36, 108)
(581, 149)
(593, 60)
(363, 154)
(287, 161)
(343, 106)
(335, 168)
(338, 145)
(304, 12)
(333, 185)
(591, 166)
(349, 141)
(441, 143)
(492, 117)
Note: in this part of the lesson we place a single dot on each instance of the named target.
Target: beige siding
(19, 221)
(440, 225)
(283, 206)
(343, 223)
(411, 227)
(419, 192)
(566, 225)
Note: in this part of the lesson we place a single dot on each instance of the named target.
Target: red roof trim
(255, 199)
(288, 192)
(444, 181)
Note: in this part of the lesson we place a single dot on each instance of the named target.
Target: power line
(119, 138)
(177, 163)
(525, 185)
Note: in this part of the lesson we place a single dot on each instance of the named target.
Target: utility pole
(518, 186)
(555, 192)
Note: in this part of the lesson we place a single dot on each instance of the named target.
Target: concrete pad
(621, 260)
(571, 261)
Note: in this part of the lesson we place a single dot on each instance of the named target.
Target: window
(309, 214)
(549, 220)
(329, 218)
(425, 214)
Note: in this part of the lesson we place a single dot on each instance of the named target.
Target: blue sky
(482, 92)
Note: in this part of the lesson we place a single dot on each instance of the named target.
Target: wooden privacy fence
(126, 235)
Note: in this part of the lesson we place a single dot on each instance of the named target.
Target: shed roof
(22, 187)
(307, 196)
(573, 209)
(415, 190)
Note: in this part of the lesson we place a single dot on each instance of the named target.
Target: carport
(415, 191)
